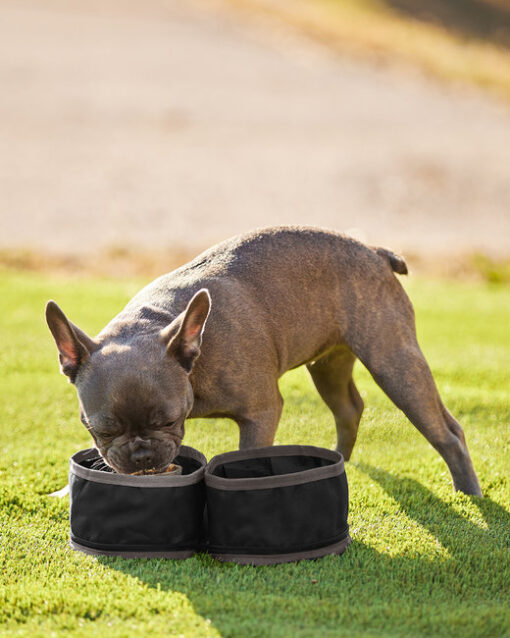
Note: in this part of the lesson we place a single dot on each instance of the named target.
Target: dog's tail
(396, 262)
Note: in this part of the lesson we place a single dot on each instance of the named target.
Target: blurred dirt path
(168, 122)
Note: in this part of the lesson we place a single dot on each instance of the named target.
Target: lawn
(423, 562)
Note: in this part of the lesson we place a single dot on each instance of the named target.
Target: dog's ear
(74, 346)
(184, 335)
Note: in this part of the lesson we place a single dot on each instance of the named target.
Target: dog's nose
(141, 453)
(142, 457)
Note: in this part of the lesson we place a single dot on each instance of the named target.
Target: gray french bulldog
(212, 338)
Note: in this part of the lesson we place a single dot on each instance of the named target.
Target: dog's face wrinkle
(113, 442)
(109, 429)
(119, 459)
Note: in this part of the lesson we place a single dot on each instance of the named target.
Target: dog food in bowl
(153, 515)
(276, 504)
(171, 469)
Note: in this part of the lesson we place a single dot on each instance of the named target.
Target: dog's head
(134, 393)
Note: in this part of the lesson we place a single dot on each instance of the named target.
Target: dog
(212, 338)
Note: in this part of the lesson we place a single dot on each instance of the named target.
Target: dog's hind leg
(386, 344)
(332, 376)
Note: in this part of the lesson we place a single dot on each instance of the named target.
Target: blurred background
(135, 134)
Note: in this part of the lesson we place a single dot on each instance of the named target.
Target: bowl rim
(280, 480)
(147, 480)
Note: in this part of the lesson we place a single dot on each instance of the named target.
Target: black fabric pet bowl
(276, 504)
(153, 516)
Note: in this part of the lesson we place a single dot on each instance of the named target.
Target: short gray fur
(212, 338)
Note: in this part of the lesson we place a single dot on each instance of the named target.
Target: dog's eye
(104, 435)
(107, 430)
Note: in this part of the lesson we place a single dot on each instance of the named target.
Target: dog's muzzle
(141, 455)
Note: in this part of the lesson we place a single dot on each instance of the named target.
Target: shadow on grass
(451, 529)
(364, 589)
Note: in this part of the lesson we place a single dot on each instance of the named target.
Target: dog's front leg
(257, 428)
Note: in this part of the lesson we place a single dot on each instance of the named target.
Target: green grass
(424, 562)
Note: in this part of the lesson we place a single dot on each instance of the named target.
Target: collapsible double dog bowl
(276, 504)
(262, 506)
(153, 516)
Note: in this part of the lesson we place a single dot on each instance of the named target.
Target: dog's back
(293, 291)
